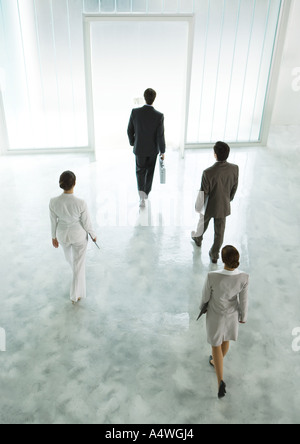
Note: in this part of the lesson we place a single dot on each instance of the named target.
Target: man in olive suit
(219, 185)
(146, 134)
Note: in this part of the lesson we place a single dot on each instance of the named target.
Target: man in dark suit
(146, 134)
(219, 185)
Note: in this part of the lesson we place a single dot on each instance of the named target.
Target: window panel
(42, 68)
(233, 54)
(91, 6)
(78, 72)
(139, 6)
(108, 6)
(45, 102)
(186, 6)
(171, 6)
(123, 5)
(155, 6)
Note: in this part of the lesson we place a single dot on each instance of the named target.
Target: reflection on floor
(133, 351)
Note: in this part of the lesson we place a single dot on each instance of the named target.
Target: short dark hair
(231, 257)
(222, 151)
(67, 180)
(150, 96)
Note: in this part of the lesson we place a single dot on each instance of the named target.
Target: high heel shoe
(222, 390)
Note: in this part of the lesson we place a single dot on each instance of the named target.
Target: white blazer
(226, 293)
(70, 220)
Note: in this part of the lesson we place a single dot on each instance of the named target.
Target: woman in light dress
(70, 226)
(226, 293)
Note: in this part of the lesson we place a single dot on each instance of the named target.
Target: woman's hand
(55, 243)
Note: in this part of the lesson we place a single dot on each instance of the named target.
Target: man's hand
(55, 243)
(162, 156)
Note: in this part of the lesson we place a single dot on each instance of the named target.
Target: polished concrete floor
(133, 352)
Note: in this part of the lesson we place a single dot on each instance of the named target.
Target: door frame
(91, 18)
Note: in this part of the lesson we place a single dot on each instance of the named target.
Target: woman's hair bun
(67, 180)
(231, 257)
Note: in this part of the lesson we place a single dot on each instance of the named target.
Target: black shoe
(197, 241)
(213, 260)
(222, 390)
(210, 361)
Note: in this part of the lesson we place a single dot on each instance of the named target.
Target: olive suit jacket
(219, 184)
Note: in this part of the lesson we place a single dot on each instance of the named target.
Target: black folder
(203, 311)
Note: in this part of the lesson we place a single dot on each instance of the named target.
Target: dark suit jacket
(146, 131)
(219, 184)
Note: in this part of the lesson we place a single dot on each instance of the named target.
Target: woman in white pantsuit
(70, 226)
(226, 293)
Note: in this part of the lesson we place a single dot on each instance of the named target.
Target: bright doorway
(126, 55)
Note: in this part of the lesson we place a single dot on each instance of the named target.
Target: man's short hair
(222, 151)
(150, 96)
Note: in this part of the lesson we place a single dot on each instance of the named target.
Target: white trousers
(75, 255)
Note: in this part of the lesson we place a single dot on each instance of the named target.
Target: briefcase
(162, 171)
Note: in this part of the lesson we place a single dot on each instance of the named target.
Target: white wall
(287, 104)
